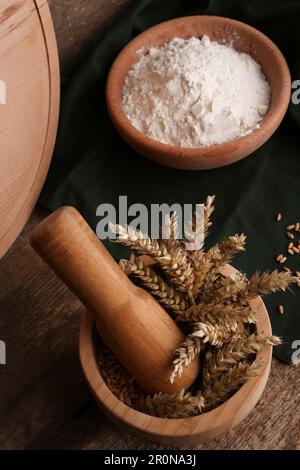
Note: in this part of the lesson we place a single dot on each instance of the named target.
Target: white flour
(195, 92)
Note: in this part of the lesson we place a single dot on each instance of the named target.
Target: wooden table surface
(45, 403)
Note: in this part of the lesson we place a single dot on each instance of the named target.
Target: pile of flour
(195, 93)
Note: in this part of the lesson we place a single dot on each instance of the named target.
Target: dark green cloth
(92, 164)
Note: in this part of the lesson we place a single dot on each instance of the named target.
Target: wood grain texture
(45, 402)
(130, 321)
(28, 120)
(244, 38)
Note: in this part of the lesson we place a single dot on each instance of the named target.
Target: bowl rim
(180, 427)
(270, 121)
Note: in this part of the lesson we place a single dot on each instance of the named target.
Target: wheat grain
(116, 377)
(278, 217)
(281, 309)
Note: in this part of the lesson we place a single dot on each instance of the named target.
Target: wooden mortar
(184, 432)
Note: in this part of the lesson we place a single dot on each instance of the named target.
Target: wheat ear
(218, 390)
(184, 355)
(229, 288)
(218, 361)
(216, 334)
(202, 264)
(223, 252)
(208, 210)
(207, 265)
(266, 283)
(217, 313)
(155, 284)
(175, 265)
(170, 232)
(138, 241)
(176, 405)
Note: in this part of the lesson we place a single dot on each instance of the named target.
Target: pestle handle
(133, 325)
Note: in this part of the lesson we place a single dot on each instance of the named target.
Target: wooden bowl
(176, 432)
(29, 115)
(244, 38)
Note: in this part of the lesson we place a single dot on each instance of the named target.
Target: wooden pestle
(133, 325)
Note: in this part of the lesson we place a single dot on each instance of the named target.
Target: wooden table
(45, 403)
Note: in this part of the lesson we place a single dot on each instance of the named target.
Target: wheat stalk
(184, 355)
(176, 405)
(218, 361)
(155, 284)
(217, 390)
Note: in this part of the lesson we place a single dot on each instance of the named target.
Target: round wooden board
(29, 72)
